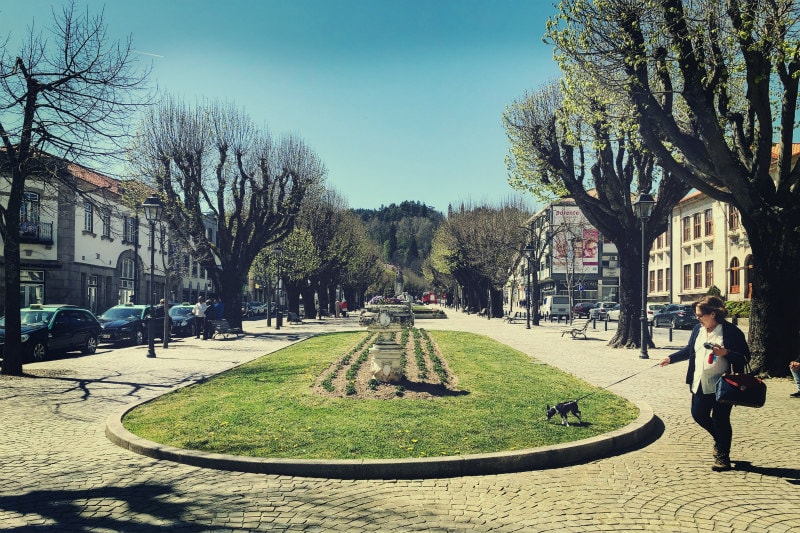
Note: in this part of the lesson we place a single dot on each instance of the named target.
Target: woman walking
(715, 346)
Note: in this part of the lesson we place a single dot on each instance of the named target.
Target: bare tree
(217, 171)
(715, 87)
(575, 145)
(70, 97)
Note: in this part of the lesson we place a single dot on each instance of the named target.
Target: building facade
(81, 245)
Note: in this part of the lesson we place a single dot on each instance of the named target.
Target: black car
(47, 329)
(675, 316)
(128, 323)
(182, 320)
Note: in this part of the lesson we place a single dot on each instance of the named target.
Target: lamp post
(643, 208)
(278, 316)
(152, 211)
(528, 251)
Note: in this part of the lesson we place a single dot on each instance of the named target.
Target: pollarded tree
(70, 97)
(216, 171)
(569, 143)
(715, 86)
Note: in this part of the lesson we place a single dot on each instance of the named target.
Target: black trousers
(714, 417)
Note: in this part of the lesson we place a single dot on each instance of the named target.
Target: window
(698, 275)
(660, 241)
(667, 279)
(687, 277)
(652, 281)
(708, 223)
(105, 217)
(88, 216)
(126, 282)
(29, 210)
(709, 273)
(129, 230)
(687, 229)
(733, 219)
(660, 281)
(697, 219)
(734, 287)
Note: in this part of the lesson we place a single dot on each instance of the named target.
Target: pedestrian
(211, 315)
(199, 312)
(794, 368)
(343, 308)
(715, 346)
(337, 308)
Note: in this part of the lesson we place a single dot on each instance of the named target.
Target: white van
(557, 306)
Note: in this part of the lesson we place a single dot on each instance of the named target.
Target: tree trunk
(12, 350)
(497, 303)
(774, 312)
(630, 296)
(309, 307)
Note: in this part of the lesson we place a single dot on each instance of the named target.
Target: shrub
(740, 308)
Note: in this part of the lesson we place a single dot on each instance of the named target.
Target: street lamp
(643, 208)
(528, 251)
(152, 211)
(278, 317)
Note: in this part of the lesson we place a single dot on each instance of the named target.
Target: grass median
(268, 407)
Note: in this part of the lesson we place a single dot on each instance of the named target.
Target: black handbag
(741, 389)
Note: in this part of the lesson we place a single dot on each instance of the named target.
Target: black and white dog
(563, 409)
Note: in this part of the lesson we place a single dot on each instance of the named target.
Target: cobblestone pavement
(60, 473)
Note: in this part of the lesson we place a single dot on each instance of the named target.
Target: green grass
(267, 408)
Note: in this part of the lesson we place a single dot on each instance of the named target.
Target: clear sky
(401, 99)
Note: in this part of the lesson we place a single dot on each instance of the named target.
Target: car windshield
(31, 318)
(122, 313)
(180, 311)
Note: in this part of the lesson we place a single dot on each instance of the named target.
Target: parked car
(652, 309)
(581, 309)
(600, 310)
(182, 320)
(128, 323)
(47, 329)
(613, 313)
(675, 316)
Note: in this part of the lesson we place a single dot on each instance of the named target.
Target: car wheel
(139, 337)
(38, 352)
(91, 345)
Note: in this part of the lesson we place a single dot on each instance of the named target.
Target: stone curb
(633, 435)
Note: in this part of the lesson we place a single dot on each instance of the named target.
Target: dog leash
(620, 381)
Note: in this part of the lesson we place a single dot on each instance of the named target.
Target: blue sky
(402, 100)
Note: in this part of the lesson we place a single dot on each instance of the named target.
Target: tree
(572, 145)
(72, 98)
(477, 246)
(229, 189)
(715, 89)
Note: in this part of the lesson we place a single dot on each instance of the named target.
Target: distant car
(47, 329)
(675, 316)
(182, 320)
(613, 313)
(652, 309)
(581, 309)
(600, 310)
(128, 323)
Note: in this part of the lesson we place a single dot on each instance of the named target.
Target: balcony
(36, 232)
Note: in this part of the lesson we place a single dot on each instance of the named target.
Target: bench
(293, 318)
(222, 328)
(578, 327)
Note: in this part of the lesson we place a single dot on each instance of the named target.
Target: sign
(575, 242)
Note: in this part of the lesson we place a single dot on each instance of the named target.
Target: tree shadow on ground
(72, 510)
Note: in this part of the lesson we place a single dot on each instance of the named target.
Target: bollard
(670, 334)
(606, 323)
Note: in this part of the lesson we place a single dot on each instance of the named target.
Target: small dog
(563, 409)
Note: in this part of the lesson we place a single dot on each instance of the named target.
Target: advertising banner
(575, 242)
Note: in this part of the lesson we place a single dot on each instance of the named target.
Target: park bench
(578, 327)
(222, 328)
(512, 318)
(293, 318)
